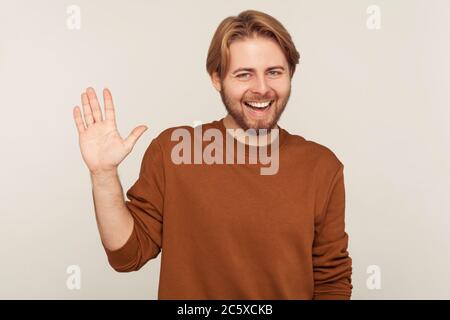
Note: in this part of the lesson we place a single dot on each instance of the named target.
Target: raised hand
(102, 147)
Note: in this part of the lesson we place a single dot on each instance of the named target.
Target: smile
(258, 105)
(258, 108)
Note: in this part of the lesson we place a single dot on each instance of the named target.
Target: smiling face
(257, 85)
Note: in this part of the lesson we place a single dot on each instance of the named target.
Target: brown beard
(240, 118)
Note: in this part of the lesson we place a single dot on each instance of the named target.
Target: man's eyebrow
(251, 69)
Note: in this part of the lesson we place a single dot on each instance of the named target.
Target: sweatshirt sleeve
(145, 203)
(331, 261)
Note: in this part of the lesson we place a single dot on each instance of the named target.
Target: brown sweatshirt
(225, 231)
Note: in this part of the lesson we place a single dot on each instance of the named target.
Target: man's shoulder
(172, 133)
(166, 135)
(325, 152)
(170, 136)
(315, 151)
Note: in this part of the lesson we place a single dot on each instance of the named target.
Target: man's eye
(274, 73)
(243, 75)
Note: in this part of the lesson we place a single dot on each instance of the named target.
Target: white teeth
(259, 104)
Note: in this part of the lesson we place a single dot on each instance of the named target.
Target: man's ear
(216, 81)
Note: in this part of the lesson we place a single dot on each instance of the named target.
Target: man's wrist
(104, 174)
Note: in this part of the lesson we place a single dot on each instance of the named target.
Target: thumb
(135, 134)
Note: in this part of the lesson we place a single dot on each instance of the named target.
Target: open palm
(102, 147)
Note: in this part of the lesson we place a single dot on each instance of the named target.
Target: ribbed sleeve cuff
(122, 257)
(330, 296)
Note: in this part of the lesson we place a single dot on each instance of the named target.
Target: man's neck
(245, 138)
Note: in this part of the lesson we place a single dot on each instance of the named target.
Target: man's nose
(260, 86)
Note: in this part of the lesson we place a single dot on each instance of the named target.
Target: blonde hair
(248, 24)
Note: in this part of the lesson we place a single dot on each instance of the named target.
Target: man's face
(257, 85)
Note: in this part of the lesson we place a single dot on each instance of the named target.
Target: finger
(87, 110)
(130, 141)
(95, 106)
(109, 105)
(78, 119)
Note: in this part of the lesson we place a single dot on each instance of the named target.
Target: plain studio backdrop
(372, 85)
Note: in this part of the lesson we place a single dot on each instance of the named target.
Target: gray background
(378, 98)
